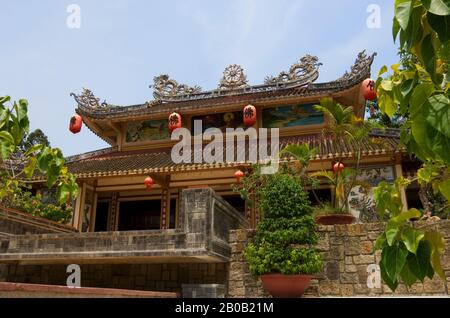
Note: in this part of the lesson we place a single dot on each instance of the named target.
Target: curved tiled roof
(115, 163)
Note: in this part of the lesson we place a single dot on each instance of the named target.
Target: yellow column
(399, 173)
(79, 207)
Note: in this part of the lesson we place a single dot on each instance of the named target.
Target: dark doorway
(236, 202)
(101, 218)
(413, 198)
(173, 213)
(139, 215)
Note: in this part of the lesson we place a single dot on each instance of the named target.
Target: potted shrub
(283, 252)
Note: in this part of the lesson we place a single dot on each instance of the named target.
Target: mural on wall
(290, 116)
(360, 200)
(148, 130)
(221, 121)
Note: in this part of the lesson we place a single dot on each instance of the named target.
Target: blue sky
(122, 45)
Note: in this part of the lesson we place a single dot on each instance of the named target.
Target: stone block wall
(150, 277)
(347, 251)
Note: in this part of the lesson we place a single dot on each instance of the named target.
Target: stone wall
(150, 277)
(205, 217)
(13, 222)
(347, 254)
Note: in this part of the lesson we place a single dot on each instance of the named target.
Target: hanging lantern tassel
(148, 183)
(238, 175)
(249, 115)
(75, 124)
(368, 89)
(174, 121)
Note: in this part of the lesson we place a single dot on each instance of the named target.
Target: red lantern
(338, 167)
(238, 175)
(249, 115)
(148, 182)
(174, 121)
(75, 124)
(368, 89)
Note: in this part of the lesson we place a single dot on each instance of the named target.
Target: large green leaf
(444, 187)
(441, 25)
(419, 96)
(411, 238)
(6, 149)
(392, 229)
(6, 137)
(429, 56)
(419, 263)
(439, 113)
(30, 167)
(439, 7)
(391, 282)
(423, 136)
(406, 215)
(437, 244)
(393, 259)
(387, 104)
(380, 242)
(403, 12)
(407, 275)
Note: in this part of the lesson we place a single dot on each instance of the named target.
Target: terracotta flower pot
(331, 219)
(285, 286)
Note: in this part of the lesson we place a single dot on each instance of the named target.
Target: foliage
(284, 238)
(16, 167)
(408, 254)
(326, 208)
(284, 197)
(344, 126)
(418, 87)
(36, 137)
(24, 201)
(377, 116)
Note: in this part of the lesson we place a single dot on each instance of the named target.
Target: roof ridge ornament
(87, 99)
(361, 67)
(305, 70)
(163, 86)
(233, 78)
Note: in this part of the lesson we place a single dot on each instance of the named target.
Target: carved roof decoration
(299, 80)
(361, 64)
(87, 100)
(164, 87)
(304, 71)
(233, 77)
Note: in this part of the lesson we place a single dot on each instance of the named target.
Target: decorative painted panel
(221, 121)
(360, 200)
(147, 130)
(291, 116)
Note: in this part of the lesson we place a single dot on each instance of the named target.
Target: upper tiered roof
(233, 88)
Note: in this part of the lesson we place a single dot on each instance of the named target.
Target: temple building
(176, 228)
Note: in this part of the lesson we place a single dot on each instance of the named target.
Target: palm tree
(344, 127)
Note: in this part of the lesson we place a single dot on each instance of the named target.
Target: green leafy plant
(409, 254)
(286, 235)
(25, 201)
(344, 126)
(17, 167)
(418, 88)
